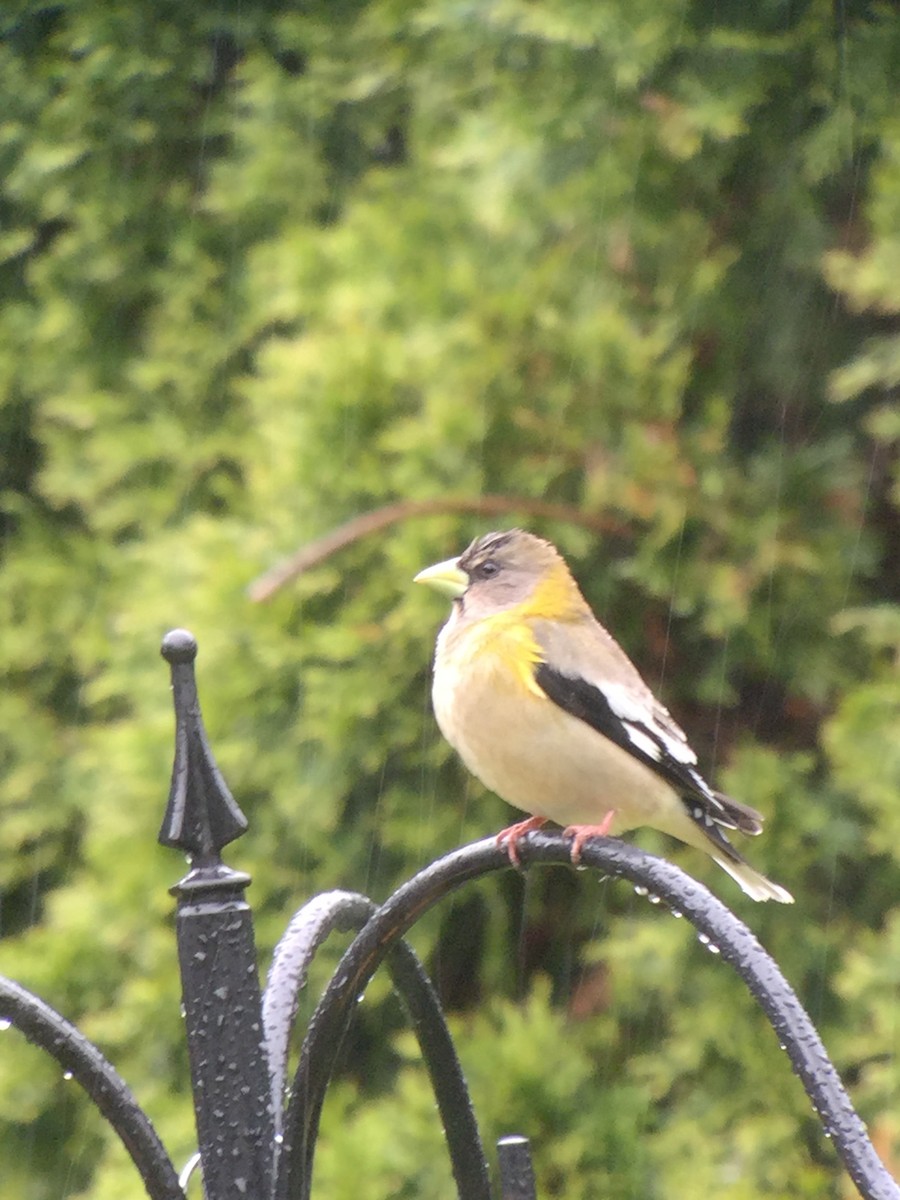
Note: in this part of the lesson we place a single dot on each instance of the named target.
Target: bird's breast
(521, 745)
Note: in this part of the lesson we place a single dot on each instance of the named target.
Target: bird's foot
(583, 833)
(509, 838)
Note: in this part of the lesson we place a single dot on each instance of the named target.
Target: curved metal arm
(43, 1026)
(307, 930)
(467, 1157)
(309, 927)
(734, 941)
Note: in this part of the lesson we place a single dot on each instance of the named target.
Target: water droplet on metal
(187, 1171)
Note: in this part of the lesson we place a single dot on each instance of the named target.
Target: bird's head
(504, 570)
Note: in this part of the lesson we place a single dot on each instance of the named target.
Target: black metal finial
(201, 816)
(179, 646)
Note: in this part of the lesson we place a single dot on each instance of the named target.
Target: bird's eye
(488, 569)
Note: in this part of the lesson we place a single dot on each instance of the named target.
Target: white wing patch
(649, 726)
(644, 743)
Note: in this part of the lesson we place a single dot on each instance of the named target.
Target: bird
(547, 710)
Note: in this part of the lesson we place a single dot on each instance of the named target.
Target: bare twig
(362, 526)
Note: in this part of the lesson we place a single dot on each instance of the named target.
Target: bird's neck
(556, 598)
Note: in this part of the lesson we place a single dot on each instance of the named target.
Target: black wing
(649, 744)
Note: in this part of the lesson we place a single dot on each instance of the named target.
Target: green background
(265, 267)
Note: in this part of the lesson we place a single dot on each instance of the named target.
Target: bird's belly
(539, 758)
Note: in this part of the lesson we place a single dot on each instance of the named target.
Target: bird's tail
(706, 832)
(752, 882)
(737, 815)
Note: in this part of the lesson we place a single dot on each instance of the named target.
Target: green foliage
(265, 267)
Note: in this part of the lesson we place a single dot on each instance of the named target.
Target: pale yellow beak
(445, 577)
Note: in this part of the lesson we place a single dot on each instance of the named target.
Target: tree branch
(316, 552)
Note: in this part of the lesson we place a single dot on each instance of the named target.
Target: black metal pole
(217, 955)
(516, 1172)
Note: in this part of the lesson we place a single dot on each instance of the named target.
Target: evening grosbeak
(548, 711)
